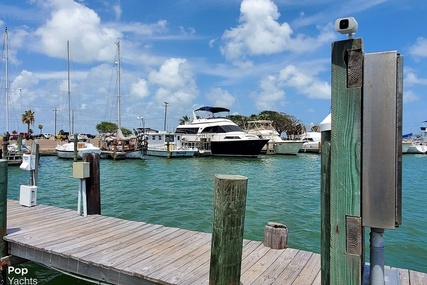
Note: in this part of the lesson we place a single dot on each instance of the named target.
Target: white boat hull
(171, 153)
(417, 149)
(67, 150)
(312, 147)
(288, 147)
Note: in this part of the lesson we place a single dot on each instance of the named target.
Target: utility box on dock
(28, 195)
(382, 140)
(81, 170)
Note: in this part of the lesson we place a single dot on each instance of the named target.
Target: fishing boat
(12, 152)
(275, 145)
(218, 136)
(311, 142)
(164, 144)
(67, 150)
(116, 145)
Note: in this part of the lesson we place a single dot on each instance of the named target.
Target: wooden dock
(118, 251)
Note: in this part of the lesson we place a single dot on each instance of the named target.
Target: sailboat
(116, 145)
(67, 150)
(10, 151)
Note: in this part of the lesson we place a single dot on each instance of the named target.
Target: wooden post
(34, 174)
(325, 206)
(5, 143)
(3, 206)
(3, 216)
(227, 229)
(342, 233)
(76, 141)
(93, 191)
(275, 235)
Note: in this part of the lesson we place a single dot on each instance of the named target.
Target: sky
(248, 56)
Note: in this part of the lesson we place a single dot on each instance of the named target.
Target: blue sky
(248, 56)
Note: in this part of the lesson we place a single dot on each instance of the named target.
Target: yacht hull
(240, 148)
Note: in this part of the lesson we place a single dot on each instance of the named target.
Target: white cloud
(272, 94)
(81, 26)
(419, 49)
(412, 79)
(410, 96)
(303, 80)
(220, 97)
(140, 88)
(176, 82)
(260, 33)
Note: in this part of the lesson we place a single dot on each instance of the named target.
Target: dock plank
(124, 252)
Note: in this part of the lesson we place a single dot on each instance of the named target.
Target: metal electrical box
(28, 162)
(382, 140)
(28, 195)
(81, 170)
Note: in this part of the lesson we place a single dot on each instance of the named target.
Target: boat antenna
(119, 123)
(6, 38)
(166, 111)
(69, 88)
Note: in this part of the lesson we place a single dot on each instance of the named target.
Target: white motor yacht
(218, 135)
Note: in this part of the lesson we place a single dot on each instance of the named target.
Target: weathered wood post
(342, 232)
(325, 198)
(3, 217)
(275, 235)
(93, 192)
(5, 143)
(227, 230)
(3, 206)
(75, 147)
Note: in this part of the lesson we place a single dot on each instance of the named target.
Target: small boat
(219, 136)
(275, 145)
(416, 147)
(164, 144)
(67, 150)
(311, 142)
(417, 143)
(117, 146)
(405, 146)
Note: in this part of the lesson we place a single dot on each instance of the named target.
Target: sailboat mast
(119, 121)
(6, 38)
(69, 88)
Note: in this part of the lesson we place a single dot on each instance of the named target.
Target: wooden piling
(3, 217)
(227, 229)
(3, 206)
(342, 233)
(93, 183)
(275, 235)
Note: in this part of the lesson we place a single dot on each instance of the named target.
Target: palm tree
(28, 119)
(184, 120)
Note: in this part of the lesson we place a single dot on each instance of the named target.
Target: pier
(117, 251)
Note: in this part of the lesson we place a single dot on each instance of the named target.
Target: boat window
(231, 137)
(222, 129)
(169, 138)
(153, 138)
(190, 130)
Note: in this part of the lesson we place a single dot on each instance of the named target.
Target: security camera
(346, 26)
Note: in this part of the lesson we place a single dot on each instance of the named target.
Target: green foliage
(126, 132)
(28, 119)
(106, 127)
(281, 122)
(184, 120)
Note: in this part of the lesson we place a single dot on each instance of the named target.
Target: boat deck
(118, 251)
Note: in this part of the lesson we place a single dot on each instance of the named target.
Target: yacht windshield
(222, 129)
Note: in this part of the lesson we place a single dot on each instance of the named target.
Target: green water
(179, 193)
